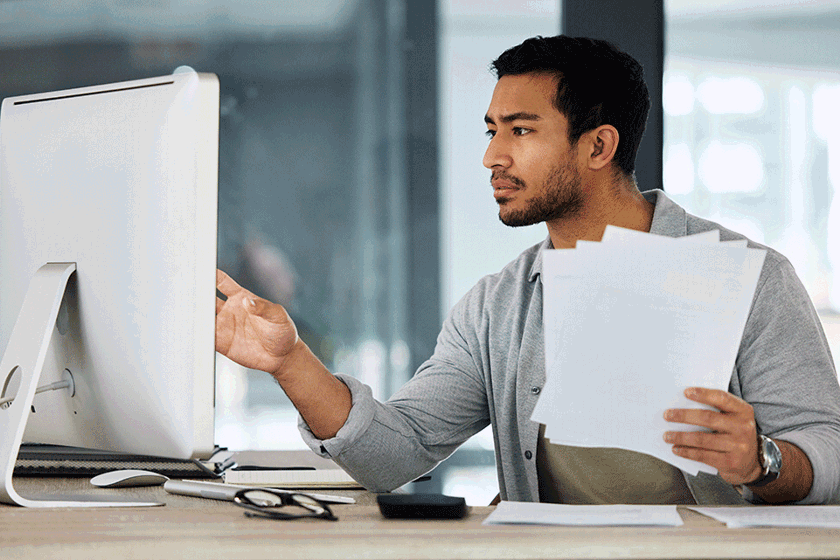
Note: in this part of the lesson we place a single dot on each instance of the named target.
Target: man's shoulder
(773, 258)
(672, 220)
(520, 270)
(513, 282)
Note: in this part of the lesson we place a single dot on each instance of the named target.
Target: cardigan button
(535, 390)
(528, 455)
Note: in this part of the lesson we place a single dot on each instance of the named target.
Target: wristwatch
(770, 458)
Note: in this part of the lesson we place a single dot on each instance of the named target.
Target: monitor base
(20, 370)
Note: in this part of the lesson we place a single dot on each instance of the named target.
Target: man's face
(535, 175)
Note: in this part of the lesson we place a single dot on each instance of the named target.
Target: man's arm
(381, 445)
(258, 334)
(732, 446)
(784, 381)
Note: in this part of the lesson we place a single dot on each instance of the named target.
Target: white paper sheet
(629, 324)
(774, 516)
(613, 234)
(530, 513)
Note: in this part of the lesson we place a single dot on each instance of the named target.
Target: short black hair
(597, 84)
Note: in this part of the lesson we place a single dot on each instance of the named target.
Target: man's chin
(517, 219)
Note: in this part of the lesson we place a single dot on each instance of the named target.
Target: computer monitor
(115, 186)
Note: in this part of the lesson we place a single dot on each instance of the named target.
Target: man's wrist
(770, 461)
(795, 481)
(322, 399)
(292, 361)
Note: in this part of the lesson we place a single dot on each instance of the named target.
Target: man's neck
(623, 207)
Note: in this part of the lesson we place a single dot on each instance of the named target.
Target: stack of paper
(630, 323)
(530, 513)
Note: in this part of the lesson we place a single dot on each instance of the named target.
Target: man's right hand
(258, 334)
(251, 331)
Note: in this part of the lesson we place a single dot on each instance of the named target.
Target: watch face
(771, 454)
(771, 462)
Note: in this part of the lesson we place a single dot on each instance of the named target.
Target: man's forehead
(524, 96)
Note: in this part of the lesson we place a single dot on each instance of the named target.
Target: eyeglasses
(266, 502)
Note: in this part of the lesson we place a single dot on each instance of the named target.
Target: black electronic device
(421, 506)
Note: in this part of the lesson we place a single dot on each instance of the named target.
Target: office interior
(350, 181)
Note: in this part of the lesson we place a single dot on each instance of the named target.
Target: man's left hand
(731, 446)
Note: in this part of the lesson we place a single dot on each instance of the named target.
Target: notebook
(292, 478)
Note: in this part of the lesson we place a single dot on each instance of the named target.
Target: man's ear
(602, 143)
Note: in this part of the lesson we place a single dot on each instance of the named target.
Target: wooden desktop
(199, 528)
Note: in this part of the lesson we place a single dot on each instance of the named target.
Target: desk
(196, 528)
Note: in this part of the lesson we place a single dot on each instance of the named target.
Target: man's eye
(490, 133)
(519, 131)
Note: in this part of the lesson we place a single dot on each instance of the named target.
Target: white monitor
(117, 184)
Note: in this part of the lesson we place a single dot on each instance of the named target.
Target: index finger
(722, 400)
(226, 284)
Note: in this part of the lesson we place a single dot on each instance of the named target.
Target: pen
(226, 492)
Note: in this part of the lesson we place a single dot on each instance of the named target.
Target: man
(565, 121)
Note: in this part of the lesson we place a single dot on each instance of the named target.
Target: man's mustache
(502, 176)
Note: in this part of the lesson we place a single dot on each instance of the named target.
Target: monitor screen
(121, 180)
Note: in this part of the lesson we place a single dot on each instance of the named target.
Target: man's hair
(597, 84)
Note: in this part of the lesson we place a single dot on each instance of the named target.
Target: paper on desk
(531, 513)
(774, 516)
(631, 323)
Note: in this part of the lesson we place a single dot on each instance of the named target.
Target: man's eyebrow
(521, 116)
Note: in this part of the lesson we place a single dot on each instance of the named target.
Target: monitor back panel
(122, 180)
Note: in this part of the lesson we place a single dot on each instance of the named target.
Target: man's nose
(497, 154)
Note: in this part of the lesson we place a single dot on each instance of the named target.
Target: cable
(66, 384)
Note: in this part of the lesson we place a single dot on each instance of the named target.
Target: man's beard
(561, 197)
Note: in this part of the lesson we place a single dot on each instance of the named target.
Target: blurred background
(351, 185)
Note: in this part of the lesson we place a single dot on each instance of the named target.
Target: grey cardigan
(488, 367)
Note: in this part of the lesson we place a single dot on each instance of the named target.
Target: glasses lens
(267, 503)
(309, 503)
(263, 499)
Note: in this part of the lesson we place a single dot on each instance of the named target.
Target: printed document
(630, 323)
(774, 516)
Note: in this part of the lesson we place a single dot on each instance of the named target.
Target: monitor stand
(24, 360)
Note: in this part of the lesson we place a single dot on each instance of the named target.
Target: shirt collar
(536, 268)
(669, 219)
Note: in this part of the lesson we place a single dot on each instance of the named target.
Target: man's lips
(503, 188)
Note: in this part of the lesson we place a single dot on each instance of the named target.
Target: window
(321, 122)
(750, 95)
